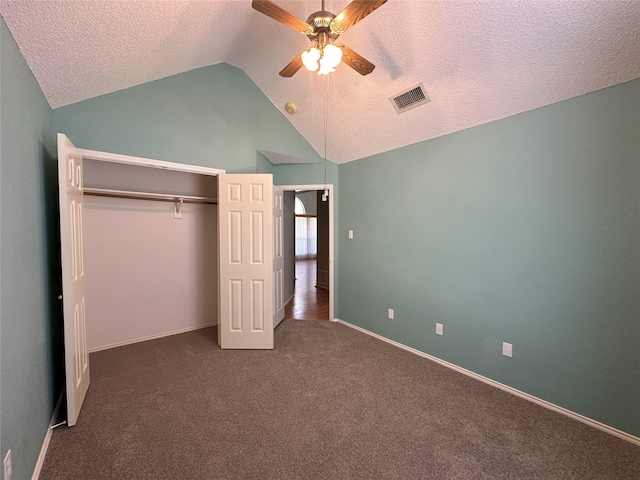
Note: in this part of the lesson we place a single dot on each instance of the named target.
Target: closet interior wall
(148, 274)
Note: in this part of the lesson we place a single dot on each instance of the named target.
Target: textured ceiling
(479, 60)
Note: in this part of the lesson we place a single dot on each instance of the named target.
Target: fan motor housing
(320, 21)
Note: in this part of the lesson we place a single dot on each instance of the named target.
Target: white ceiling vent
(410, 98)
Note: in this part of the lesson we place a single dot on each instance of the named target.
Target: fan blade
(356, 61)
(293, 66)
(353, 13)
(272, 10)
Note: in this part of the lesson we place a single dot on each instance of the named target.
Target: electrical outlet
(390, 313)
(507, 349)
(350, 233)
(7, 465)
(439, 329)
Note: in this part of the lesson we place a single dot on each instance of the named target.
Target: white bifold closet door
(278, 257)
(73, 276)
(247, 269)
(245, 232)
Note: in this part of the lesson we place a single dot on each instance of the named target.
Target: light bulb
(332, 54)
(310, 58)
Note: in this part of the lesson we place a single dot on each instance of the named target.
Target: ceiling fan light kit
(324, 60)
(323, 28)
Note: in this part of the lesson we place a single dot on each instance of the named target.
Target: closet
(152, 248)
(150, 243)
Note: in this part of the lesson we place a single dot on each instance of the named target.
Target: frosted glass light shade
(332, 55)
(323, 61)
(310, 59)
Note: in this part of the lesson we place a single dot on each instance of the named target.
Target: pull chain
(325, 85)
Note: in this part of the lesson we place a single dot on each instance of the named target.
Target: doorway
(311, 248)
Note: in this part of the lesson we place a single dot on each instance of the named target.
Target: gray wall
(289, 246)
(524, 230)
(323, 239)
(29, 310)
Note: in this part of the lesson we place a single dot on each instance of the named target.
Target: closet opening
(150, 245)
(168, 248)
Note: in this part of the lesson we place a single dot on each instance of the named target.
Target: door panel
(278, 257)
(73, 275)
(245, 233)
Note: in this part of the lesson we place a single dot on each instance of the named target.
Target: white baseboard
(151, 337)
(290, 298)
(518, 393)
(47, 439)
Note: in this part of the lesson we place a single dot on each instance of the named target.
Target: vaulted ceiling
(478, 60)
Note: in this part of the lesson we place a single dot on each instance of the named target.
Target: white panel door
(278, 258)
(73, 284)
(245, 231)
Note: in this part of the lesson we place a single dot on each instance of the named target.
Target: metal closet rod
(159, 197)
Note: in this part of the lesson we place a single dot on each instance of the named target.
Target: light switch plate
(439, 329)
(507, 349)
(350, 233)
(390, 313)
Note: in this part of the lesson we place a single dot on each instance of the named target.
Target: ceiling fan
(323, 28)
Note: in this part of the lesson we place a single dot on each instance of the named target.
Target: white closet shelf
(160, 197)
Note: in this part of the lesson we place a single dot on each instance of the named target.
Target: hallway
(308, 302)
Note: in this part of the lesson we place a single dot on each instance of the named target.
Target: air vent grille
(410, 98)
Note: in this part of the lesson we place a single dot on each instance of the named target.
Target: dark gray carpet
(328, 403)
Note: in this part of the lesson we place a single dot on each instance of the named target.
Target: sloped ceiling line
(479, 61)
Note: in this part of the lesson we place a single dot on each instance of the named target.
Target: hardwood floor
(308, 302)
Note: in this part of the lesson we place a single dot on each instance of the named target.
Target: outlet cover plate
(507, 349)
(390, 313)
(439, 329)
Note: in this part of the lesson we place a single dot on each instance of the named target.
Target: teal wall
(213, 116)
(28, 315)
(524, 230)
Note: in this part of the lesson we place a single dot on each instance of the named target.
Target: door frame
(329, 187)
